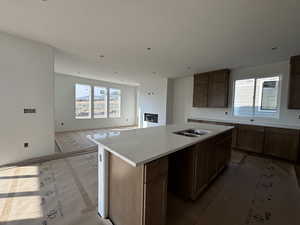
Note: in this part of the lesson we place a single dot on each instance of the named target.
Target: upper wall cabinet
(211, 89)
(294, 90)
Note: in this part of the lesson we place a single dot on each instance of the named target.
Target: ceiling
(184, 36)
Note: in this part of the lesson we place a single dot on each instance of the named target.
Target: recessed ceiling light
(101, 56)
(274, 48)
(115, 72)
(154, 72)
(148, 48)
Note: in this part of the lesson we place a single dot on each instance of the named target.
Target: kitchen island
(138, 167)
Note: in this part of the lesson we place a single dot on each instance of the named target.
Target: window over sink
(257, 97)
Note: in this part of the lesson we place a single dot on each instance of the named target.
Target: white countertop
(254, 123)
(143, 145)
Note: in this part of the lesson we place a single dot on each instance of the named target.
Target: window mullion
(254, 98)
(108, 102)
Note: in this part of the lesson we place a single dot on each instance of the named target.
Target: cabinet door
(294, 89)
(223, 149)
(218, 88)
(211, 162)
(182, 172)
(250, 138)
(201, 163)
(155, 192)
(200, 90)
(283, 143)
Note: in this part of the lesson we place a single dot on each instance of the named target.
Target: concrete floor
(252, 190)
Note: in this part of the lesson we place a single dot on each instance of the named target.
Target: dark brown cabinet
(294, 88)
(250, 138)
(200, 97)
(283, 143)
(211, 89)
(155, 192)
(191, 170)
(279, 142)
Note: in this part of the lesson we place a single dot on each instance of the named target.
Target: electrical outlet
(62, 124)
(226, 113)
(26, 145)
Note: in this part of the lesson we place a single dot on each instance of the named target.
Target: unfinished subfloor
(76, 141)
(251, 190)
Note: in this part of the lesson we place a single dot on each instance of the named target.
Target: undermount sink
(192, 132)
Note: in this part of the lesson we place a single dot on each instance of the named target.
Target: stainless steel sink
(192, 132)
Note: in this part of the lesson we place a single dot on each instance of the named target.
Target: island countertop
(143, 145)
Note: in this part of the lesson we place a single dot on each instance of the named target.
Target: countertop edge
(255, 123)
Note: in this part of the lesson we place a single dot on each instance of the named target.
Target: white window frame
(108, 109)
(107, 103)
(91, 100)
(277, 117)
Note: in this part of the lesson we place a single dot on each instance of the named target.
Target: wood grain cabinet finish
(211, 89)
(282, 143)
(250, 138)
(192, 170)
(279, 142)
(294, 88)
(200, 97)
(155, 192)
(218, 88)
(137, 195)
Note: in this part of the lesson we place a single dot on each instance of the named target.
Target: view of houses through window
(82, 101)
(100, 102)
(114, 102)
(85, 100)
(257, 97)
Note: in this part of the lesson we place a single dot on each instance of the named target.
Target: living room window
(114, 103)
(257, 97)
(82, 101)
(100, 102)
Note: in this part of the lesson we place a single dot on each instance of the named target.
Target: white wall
(152, 98)
(26, 80)
(65, 105)
(182, 97)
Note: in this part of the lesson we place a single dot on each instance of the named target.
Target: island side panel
(126, 188)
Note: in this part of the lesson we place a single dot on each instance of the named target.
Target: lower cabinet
(279, 142)
(156, 192)
(282, 143)
(137, 195)
(250, 138)
(192, 170)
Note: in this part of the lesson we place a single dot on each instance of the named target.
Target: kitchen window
(114, 103)
(100, 102)
(82, 101)
(257, 97)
